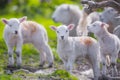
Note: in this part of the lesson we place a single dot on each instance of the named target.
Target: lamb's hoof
(9, 72)
(10, 66)
(103, 77)
(18, 67)
(41, 65)
(50, 65)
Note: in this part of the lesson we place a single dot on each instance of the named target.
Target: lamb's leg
(95, 66)
(11, 57)
(70, 62)
(42, 58)
(96, 69)
(18, 54)
(46, 48)
(104, 64)
(113, 64)
(65, 63)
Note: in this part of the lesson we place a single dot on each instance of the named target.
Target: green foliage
(64, 75)
(8, 77)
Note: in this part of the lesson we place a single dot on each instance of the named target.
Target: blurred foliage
(32, 7)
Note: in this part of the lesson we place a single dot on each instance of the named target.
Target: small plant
(63, 74)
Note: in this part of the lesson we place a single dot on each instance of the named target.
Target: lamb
(71, 48)
(19, 31)
(67, 14)
(70, 14)
(109, 45)
(109, 16)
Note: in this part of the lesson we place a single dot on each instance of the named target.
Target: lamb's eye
(57, 31)
(66, 30)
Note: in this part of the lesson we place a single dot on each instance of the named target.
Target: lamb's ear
(23, 19)
(104, 25)
(53, 28)
(4, 20)
(70, 26)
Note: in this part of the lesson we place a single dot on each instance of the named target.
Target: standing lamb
(109, 43)
(70, 14)
(71, 48)
(19, 31)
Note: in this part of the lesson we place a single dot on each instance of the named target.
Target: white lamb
(109, 43)
(109, 16)
(71, 48)
(19, 31)
(70, 14)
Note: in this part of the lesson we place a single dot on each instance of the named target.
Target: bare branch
(107, 3)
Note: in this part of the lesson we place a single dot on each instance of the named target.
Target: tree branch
(92, 5)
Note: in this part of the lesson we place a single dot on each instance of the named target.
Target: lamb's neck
(63, 42)
(103, 35)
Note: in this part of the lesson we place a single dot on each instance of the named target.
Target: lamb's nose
(62, 37)
(16, 32)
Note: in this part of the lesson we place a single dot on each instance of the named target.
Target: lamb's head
(62, 14)
(108, 15)
(63, 31)
(13, 24)
(97, 27)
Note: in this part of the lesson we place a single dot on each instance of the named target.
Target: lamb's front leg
(18, 54)
(70, 63)
(11, 57)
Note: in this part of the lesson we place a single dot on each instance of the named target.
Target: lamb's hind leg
(46, 48)
(95, 66)
(42, 58)
(11, 57)
(113, 64)
(93, 56)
